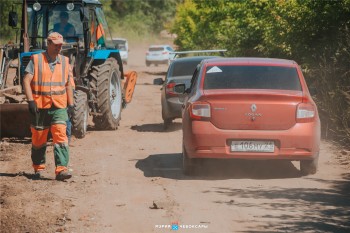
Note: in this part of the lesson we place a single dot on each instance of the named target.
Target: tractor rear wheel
(80, 114)
(106, 81)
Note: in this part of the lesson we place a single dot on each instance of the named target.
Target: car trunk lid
(253, 109)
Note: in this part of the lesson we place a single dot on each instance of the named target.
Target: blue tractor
(102, 87)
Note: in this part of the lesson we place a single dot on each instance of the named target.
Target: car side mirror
(158, 81)
(180, 88)
(13, 19)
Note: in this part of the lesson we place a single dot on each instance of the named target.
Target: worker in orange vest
(50, 99)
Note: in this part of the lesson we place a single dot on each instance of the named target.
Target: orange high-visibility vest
(50, 87)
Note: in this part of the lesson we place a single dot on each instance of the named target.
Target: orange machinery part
(129, 83)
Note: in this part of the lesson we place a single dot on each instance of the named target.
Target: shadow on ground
(296, 209)
(157, 128)
(29, 176)
(279, 209)
(23, 140)
(170, 166)
(159, 73)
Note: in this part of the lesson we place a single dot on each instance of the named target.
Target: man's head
(54, 43)
(64, 17)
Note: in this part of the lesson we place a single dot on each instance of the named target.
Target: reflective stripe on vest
(50, 87)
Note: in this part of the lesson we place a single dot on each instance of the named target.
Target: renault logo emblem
(253, 107)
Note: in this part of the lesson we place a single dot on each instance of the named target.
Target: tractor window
(103, 36)
(67, 23)
(92, 23)
(36, 28)
(48, 19)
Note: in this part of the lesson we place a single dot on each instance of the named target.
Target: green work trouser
(54, 120)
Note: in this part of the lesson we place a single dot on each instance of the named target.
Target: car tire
(188, 165)
(309, 167)
(148, 63)
(167, 123)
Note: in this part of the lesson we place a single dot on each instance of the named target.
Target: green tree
(226, 24)
(141, 17)
(6, 32)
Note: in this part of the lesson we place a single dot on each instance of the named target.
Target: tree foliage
(261, 27)
(136, 17)
(7, 32)
(141, 17)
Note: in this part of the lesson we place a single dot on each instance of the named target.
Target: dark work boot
(63, 175)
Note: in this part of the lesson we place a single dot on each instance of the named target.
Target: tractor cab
(78, 21)
(82, 25)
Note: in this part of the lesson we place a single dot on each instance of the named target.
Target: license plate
(253, 146)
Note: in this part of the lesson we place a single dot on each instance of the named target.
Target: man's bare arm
(27, 89)
(69, 90)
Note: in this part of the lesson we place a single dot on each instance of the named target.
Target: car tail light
(305, 112)
(200, 111)
(169, 89)
(164, 52)
(147, 53)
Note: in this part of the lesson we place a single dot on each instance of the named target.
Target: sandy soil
(130, 180)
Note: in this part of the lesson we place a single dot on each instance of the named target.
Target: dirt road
(130, 180)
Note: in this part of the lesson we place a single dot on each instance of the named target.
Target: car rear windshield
(252, 77)
(156, 49)
(183, 68)
(120, 44)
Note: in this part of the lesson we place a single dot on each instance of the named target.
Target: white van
(123, 46)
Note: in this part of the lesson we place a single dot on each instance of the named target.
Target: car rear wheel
(148, 63)
(309, 167)
(188, 165)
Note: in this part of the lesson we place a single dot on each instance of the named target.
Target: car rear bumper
(157, 60)
(204, 140)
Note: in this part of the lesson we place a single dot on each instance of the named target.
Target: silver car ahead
(179, 71)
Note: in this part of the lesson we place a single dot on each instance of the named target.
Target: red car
(249, 108)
